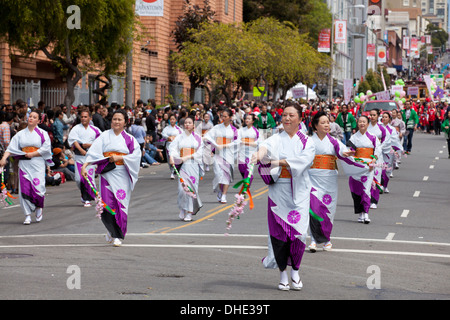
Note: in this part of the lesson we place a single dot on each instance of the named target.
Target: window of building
(406, 3)
(226, 7)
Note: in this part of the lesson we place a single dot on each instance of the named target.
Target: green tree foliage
(439, 36)
(266, 51)
(309, 16)
(373, 81)
(102, 41)
(191, 21)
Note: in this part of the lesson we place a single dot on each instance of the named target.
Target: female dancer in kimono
(284, 160)
(396, 147)
(361, 180)
(380, 177)
(204, 127)
(32, 147)
(169, 133)
(324, 178)
(118, 156)
(250, 139)
(224, 138)
(400, 127)
(186, 154)
(81, 138)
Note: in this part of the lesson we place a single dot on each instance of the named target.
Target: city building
(350, 57)
(35, 78)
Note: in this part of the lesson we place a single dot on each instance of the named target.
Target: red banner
(371, 51)
(324, 40)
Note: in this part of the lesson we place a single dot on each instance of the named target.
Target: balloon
(397, 99)
(369, 93)
(362, 98)
(403, 100)
(373, 98)
(361, 95)
(357, 100)
(402, 94)
(397, 93)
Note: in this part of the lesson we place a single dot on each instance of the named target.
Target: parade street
(404, 253)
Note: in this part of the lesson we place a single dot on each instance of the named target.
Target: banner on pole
(149, 8)
(340, 31)
(371, 51)
(348, 84)
(414, 44)
(324, 40)
(405, 43)
(381, 54)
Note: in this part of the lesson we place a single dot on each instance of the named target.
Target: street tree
(99, 40)
(188, 23)
(221, 54)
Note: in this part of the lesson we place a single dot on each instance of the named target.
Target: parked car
(382, 105)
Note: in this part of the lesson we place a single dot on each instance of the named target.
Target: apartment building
(35, 78)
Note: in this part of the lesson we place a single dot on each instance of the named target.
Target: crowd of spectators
(146, 123)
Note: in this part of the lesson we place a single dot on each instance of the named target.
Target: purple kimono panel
(28, 190)
(288, 249)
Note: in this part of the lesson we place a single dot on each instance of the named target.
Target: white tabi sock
(284, 277)
(294, 275)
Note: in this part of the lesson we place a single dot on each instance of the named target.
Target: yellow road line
(214, 212)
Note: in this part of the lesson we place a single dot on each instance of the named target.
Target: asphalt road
(403, 254)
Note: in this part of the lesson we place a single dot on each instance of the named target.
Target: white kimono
(31, 171)
(380, 176)
(167, 132)
(361, 180)
(288, 199)
(396, 148)
(82, 135)
(190, 171)
(246, 151)
(324, 192)
(225, 158)
(116, 185)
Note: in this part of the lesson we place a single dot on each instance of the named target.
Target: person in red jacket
(431, 112)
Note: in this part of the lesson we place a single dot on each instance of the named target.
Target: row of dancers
(300, 170)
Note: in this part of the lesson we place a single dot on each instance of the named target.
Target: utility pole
(330, 84)
(129, 78)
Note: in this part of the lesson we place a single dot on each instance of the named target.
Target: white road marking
(425, 178)
(416, 194)
(441, 151)
(431, 166)
(404, 213)
(390, 236)
(190, 246)
(13, 206)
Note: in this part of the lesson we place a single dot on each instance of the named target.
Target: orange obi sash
(248, 140)
(29, 149)
(171, 138)
(222, 140)
(324, 161)
(204, 131)
(364, 152)
(285, 173)
(187, 152)
(114, 153)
